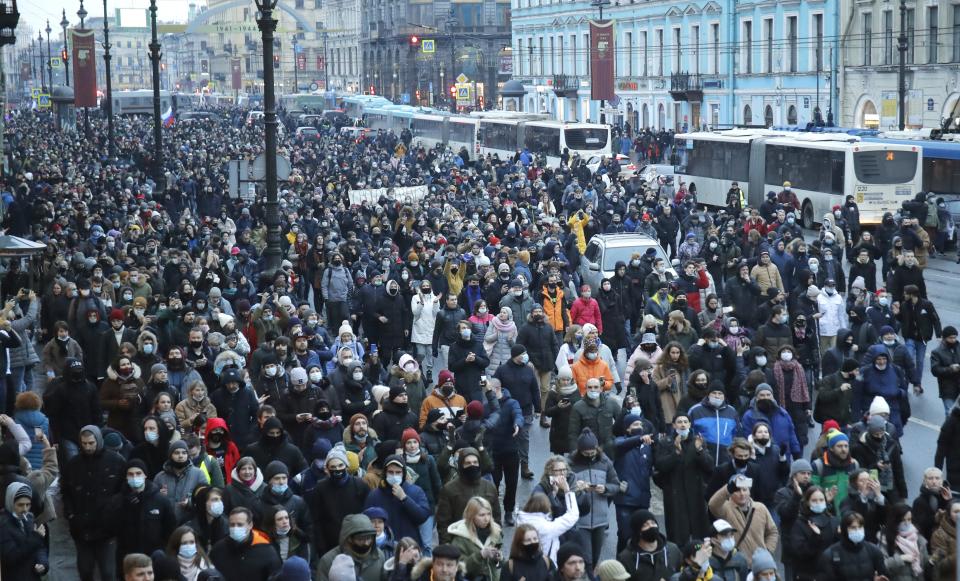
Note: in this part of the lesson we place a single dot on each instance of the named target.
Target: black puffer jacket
(145, 520)
(948, 379)
(541, 342)
(392, 420)
(88, 482)
(844, 561)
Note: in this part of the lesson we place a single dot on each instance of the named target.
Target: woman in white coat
(537, 514)
(425, 307)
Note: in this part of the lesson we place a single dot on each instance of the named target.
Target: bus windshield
(885, 167)
(585, 138)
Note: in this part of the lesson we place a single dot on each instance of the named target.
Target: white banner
(406, 195)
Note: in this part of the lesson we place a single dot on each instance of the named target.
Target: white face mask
(358, 375)
(316, 376)
(761, 361)
(786, 356)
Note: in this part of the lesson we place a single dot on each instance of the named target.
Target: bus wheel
(806, 215)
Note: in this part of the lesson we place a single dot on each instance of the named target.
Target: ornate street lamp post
(66, 49)
(157, 133)
(268, 26)
(109, 95)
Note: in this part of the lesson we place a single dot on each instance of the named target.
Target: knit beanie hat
(879, 406)
(800, 465)
(835, 437)
(762, 561)
(587, 440)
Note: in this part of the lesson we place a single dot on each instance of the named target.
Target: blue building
(681, 66)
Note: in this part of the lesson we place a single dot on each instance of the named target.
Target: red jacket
(233, 453)
(586, 311)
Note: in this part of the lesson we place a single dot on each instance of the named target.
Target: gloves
(619, 387)
(731, 487)
(436, 352)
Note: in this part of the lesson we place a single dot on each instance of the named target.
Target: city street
(919, 441)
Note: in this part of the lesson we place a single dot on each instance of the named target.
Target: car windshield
(623, 253)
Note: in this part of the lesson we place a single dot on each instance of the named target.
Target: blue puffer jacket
(781, 426)
(510, 417)
(634, 465)
(717, 427)
(890, 384)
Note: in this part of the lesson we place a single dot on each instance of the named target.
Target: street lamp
(66, 49)
(109, 95)
(82, 15)
(49, 56)
(902, 69)
(155, 61)
(43, 74)
(296, 65)
(267, 25)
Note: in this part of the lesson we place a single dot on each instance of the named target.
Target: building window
(911, 33)
(956, 33)
(792, 115)
(818, 48)
(540, 64)
(553, 56)
(888, 37)
(629, 43)
(677, 49)
(695, 33)
(792, 40)
(748, 46)
(573, 53)
(768, 116)
(747, 115)
(715, 43)
(768, 45)
(933, 13)
(586, 56)
(563, 53)
(868, 38)
(530, 56)
(643, 45)
(660, 53)
(299, 4)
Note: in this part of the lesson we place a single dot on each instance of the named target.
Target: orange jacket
(584, 369)
(555, 310)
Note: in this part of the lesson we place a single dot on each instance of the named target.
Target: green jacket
(832, 402)
(830, 471)
(470, 548)
(369, 567)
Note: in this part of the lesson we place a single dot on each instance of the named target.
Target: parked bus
(139, 102)
(823, 168)
(504, 135)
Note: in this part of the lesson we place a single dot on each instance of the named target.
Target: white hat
(721, 526)
(879, 406)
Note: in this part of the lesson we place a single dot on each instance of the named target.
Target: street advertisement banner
(601, 60)
(84, 68)
(235, 75)
(406, 195)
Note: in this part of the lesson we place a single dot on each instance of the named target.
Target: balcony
(566, 85)
(686, 87)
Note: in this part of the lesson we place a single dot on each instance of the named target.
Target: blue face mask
(136, 483)
(151, 436)
(238, 534)
(279, 488)
(818, 507)
(188, 551)
(856, 536)
(683, 433)
(394, 479)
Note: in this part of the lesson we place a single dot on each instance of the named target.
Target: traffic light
(63, 55)
(163, 66)
(276, 61)
(414, 41)
(417, 93)
(453, 91)
(373, 91)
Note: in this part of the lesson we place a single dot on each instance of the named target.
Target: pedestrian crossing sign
(463, 93)
(43, 101)
(428, 46)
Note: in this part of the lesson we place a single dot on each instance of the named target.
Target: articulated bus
(355, 106)
(503, 136)
(139, 102)
(823, 168)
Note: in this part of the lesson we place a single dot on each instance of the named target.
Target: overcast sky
(36, 12)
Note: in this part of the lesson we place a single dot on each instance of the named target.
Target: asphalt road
(920, 435)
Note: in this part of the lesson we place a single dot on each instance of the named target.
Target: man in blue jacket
(881, 377)
(504, 442)
(634, 465)
(716, 422)
(406, 504)
(764, 408)
(521, 379)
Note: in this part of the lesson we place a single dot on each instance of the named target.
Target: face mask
(593, 394)
(471, 473)
(270, 371)
(713, 344)
(885, 301)
(188, 551)
(715, 401)
(238, 534)
(136, 483)
(761, 361)
(661, 269)
(728, 544)
(818, 507)
(830, 290)
(592, 355)
(347, 361)
(358, 375)
(786, 356)
(517, 293)
(151, 436)
(683, 433)
(650, 535)
(465, 333)
(315, 377)
(856, 536)
(394, 479)
(586, 295)
(279, 489)
(734, 330)
(525, 358)
(814, 268)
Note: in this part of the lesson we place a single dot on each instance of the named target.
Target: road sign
(405, 98)
(55, 62)
(464, 95)
(43, 101)
(428, 45)
(462, 78)
(35, 92)
(259, 169)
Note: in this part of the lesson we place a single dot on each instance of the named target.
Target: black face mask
(75, 375)
(196, 344)
(650, 535)
(470, 473)
(531, 550)
(338, 475)
(179, 465)
(325, 415)
(741, 463)
(360, 549)
(766, 405)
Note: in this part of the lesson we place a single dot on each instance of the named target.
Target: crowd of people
(176, 408)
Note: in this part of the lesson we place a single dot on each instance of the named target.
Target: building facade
(871, 63)
(464, 37)
(341, 35)
(679, 66)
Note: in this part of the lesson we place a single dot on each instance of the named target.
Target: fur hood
(225, 358)
(143, 336)
(112, 374)
(460, 529)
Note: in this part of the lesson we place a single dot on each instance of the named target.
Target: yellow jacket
(577, 225)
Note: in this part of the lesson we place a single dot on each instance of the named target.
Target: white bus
(356, 105)
(139, 102)
(822, 169)
(503, 136)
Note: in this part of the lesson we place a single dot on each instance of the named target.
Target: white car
(604, 251)
(652, 171)
(626, 166)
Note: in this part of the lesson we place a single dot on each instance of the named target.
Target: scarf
(188, 567)
(798, 388)
(799, 333)
(907, 543)
(502, 326)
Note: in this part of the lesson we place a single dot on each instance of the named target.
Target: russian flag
(167, 118)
